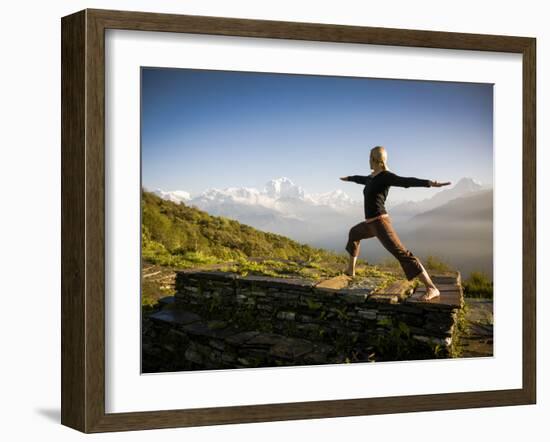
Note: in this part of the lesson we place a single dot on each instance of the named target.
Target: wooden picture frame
(83, 220)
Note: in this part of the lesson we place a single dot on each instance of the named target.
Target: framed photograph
(267, 220)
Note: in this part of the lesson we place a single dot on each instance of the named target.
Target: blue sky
(203, 129)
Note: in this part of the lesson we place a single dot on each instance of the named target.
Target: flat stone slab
(291, 348)
(480, 330)
(354, 296)
(370, 283)
(480, 310)
(476, 348)
(336, 283)
(167, 300)
(447, 299)
(264, 340)
(209, 275)
(446, 278)
(269, 281)
(175, 316)
(393, 293)
(477, 341)
(209, 330)
(318, 355)
(242, 337)
(401, 288)
(383, 298)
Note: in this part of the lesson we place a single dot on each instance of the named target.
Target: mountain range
(455, 223)
(463, 187)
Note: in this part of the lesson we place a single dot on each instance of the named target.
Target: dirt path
(477, 340)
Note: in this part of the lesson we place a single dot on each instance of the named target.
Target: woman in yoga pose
(378, 223)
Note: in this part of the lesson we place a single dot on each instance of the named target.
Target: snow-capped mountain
(337, 199)
(241, 195)
(176, 196)
(280, 207)
(278, 194)
(283, 197)
(464, 187)
(283, 187)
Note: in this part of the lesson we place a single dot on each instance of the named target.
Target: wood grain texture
(145, 21)
(73, 251)
(83, 218)
(95, 221)
(529, 221)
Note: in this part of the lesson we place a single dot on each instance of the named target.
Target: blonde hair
(379, 156)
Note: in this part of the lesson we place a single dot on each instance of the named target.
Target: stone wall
(222, 320)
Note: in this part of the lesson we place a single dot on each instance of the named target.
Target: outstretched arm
(395, 180)
(399, 181)
(359, 179)
(438, 184)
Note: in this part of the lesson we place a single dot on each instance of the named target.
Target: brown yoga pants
(382, 228)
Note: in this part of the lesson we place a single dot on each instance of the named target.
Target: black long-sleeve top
(377, 188)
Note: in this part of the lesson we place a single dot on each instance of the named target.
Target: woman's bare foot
(431, 292)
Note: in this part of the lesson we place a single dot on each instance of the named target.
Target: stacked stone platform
(222, 320)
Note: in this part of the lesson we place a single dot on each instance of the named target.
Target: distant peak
(467, 181)
(283, 187)
(176, 196)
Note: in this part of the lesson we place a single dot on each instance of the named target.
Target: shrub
(478, 285)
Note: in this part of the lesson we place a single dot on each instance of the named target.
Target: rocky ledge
(220, 320)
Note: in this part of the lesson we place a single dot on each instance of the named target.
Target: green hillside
(180, 236)
(177, 236)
